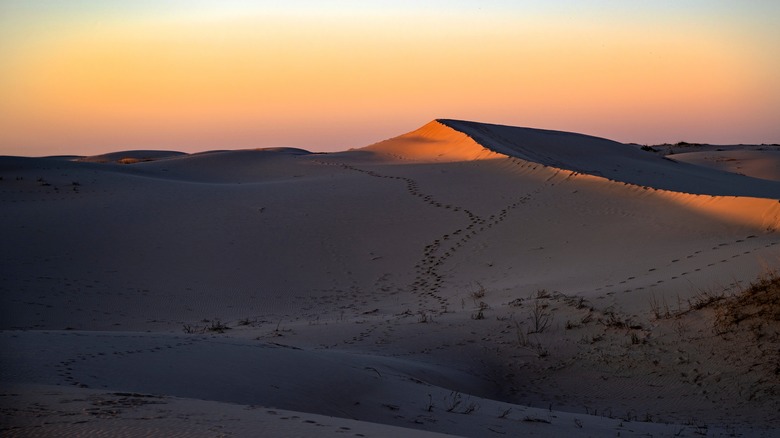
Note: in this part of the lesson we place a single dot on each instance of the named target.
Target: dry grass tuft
(759, 303)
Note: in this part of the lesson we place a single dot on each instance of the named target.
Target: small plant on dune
(759, 302)
(192, 329)
(660, 309)
(536, 420)
(611, 319)
(705, 298)
(452, 401)
(455, 400)
(482, 306)
(525, 342)
(246, 321)
(471, 407)
(517, 302)
(217, 326)
(540, 315)
(478, 294)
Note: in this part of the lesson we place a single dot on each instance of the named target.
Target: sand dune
(611, 160)
(464, 279)
(433, 143)
(760, 162)
(130, 157)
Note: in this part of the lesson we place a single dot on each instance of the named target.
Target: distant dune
(130, 157)
(464, 278)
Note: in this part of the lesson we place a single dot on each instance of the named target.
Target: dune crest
(612, 160)
(434, 142)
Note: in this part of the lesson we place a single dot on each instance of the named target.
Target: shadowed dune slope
(612, 160)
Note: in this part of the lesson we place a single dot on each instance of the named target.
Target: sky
(87, 77)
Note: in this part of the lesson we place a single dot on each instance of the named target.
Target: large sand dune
(464, 278)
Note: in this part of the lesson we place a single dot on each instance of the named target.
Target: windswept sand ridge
(612, 160)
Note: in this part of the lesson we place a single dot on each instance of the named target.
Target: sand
(464, 279)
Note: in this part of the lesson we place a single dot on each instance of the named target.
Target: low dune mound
(130, 157)
(286, 151)
(245, 166)
(616, 161)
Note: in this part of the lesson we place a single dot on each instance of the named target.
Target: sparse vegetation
(482, 306)
(452, 401)
(540, 315)
(478, 294)
(536, 420)
(455, 400)
(245, 322)
(215, 326)
(524, 342)
(759, 304)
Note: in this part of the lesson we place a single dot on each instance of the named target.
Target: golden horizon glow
(249, 77)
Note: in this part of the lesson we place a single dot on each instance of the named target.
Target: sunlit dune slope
(434, 142)
(715, 192)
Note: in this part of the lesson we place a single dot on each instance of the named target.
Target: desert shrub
(540, 315)
(481, 307)
(478, 293)
(217, 326)
(759, 302)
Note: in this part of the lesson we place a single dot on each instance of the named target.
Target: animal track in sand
(65, 368)
(695, 254)
(428, 279)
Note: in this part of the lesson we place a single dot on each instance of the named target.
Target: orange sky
(86, 77)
